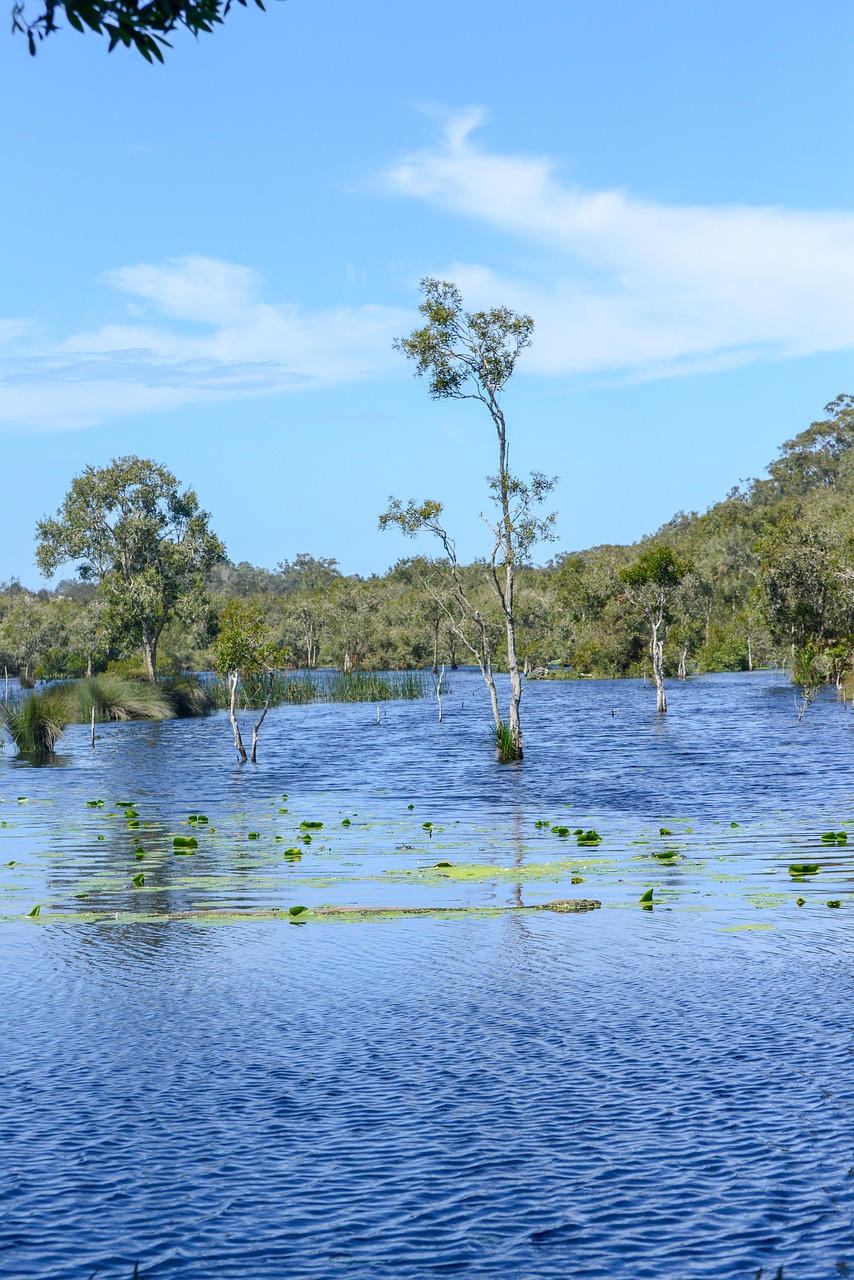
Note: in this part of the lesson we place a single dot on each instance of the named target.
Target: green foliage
(464, 355)
(243, 645)
(505, 746)
(136, 24)
(658, 566)
(35, 722)
(148, 546)
(187, 696)
(117, 698)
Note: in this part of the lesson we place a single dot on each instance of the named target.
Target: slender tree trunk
(453, 652)
(683, 662)
(149, 654)
(233, 679)
(749, 650)
(257, 725)
(512, 663)
(657, 649)
(439, 691)
(89, 665)
(436, 646)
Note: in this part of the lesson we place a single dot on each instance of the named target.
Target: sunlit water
(626, 1093)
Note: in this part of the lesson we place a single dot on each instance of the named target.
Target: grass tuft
(35, 722)
(504, 744)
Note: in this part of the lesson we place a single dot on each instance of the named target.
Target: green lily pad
(185, 842)
(804, 869)
(138, 879)
(310, 826)
(646, 896)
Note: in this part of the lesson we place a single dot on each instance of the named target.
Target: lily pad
(804, 869)
(310, 826)
(138, 879)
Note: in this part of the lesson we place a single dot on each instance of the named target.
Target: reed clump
(188, 696)
(299, 689)
(119, 698)
(504, 744)
(35, 722)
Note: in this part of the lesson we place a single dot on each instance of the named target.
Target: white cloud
(200, 333)
(632, 284)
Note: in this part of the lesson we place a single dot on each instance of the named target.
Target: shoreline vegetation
(764, 578)
(35, 719)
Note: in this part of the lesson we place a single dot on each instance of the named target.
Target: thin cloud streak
(200, 334)
(635, 285)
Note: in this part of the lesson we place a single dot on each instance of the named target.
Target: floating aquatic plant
(834, 902)
(253, 835)
(646, 897)
(310, 826)
(138, 879)
(589, 837)
(345, 822)
(183, 843)
(95, 804)
(296, 911)
(662, 831)
(804, 869)
(35, 911)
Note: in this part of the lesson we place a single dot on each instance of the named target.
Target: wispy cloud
(198, 331)
(626, 283)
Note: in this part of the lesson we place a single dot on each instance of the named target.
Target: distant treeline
(771, 582)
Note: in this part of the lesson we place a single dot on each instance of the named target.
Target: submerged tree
(148, 546)
(472, 356)
(243, 649)
(652, 580)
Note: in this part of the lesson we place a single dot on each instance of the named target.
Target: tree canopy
(142, 25)
(147, 544)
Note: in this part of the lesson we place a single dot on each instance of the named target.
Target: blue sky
(206, 262)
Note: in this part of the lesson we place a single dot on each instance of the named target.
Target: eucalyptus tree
(472, 356)
(148, 546)
(651, 582)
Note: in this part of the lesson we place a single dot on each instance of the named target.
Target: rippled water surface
(191, 1083)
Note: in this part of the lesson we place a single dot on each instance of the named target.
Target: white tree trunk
(233, 679)
(257, 725)
(657, 649)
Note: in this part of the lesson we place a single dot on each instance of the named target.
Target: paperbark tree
(244, 648)
(472, 356)
(652, 579)
(145, 543)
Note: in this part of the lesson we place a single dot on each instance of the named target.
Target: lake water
(192, 1084)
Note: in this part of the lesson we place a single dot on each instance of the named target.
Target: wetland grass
(35, 722)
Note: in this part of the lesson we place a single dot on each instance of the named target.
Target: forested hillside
(767, 577)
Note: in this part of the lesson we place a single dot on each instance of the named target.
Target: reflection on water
(624, 1094)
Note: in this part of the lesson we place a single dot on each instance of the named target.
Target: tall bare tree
(472, 356)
